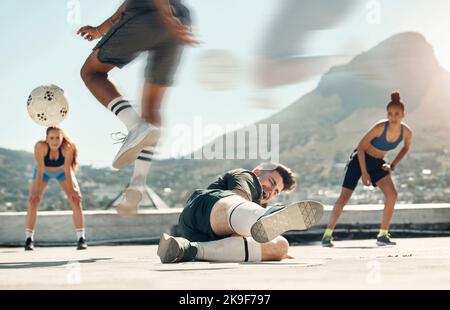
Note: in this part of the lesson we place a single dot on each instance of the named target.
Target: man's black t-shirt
(240, 179)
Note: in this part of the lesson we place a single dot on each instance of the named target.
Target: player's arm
(182, 33)
(91, 33)
(405, 148)
(75, 192)
(363, 146)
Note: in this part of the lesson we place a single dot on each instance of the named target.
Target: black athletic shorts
(195, 218)
(138, 32)
(353, 173)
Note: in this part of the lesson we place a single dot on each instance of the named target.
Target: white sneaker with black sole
(278, 220)
(143, 135)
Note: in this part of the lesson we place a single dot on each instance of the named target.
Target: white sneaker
(129, 206)
(278, 220)
(137, 139)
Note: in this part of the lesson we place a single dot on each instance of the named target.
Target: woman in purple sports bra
(367, 163)
(56, 158)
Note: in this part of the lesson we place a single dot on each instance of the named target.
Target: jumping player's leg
(95, 75)
(159, 74)
(151, 102)
(118, 48)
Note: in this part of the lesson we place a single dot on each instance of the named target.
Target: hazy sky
(39, 46)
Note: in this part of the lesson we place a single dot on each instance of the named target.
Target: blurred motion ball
(217, 70)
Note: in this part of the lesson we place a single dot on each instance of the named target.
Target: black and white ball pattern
(47, 105)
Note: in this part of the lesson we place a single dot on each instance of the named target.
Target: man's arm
(182, 33)
(91, 33)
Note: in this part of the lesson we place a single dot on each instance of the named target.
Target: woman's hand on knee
(76, 196)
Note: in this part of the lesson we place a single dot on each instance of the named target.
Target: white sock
(29, 233)
(232, 249)
(243, 216)
(125, 112)
(142, 166)
(80, 233)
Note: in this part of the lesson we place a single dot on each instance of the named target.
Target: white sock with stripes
(125, 112)
(80, 233)
(29, 233)
(243, 216)
(142, 166)
(232, 249)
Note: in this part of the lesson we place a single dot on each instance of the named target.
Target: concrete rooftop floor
(416, 263)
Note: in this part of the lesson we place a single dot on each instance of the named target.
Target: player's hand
(366, 179)
(181, 33)
(387, 167)
(90, 33)
(76, 196)
(35, 197)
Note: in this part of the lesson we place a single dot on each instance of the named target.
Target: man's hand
(181, 33)
(90, 33)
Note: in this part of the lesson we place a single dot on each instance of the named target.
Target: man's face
(271, 182)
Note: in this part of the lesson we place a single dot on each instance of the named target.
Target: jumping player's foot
(129, 206)
(175, 250)
(295, 216)
(327, 242)
(29, 244)
(385, 240)
(82, 245)
(143, 135)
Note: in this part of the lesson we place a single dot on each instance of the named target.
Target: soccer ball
(47, 105)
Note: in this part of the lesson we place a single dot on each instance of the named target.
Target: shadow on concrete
(195, 269)
(356, 247)
(26, 265)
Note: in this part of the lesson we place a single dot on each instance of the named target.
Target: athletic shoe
(385, 240)
(327, 241)
(175, 250)
(29, 244)
(137, 139)
(81, 245)
(277, 220)
(129, 206)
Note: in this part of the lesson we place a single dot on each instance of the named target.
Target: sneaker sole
(168, 249)
(296, 216)
(129, 156)
(327, 245)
